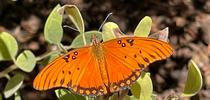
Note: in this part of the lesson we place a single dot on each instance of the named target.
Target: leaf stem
(84, 39)
(46, 55)
(68, 47)
(5, 72)
(14, 60)
(62, 48)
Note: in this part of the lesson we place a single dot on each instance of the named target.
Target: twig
(62, 48)
(46, 55)
(5, 72)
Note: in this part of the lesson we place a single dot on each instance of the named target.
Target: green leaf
(17, 96)
(78, 41)
(64, 94)
(114, 97)
(53, 31)
(13, 85)
(75, 16)
(194, 80)
(153, 97)
(110, 31)
(101, 97)
(8, 46)
(26, 61)
(129, 98)
(143, 88)
(144, 27)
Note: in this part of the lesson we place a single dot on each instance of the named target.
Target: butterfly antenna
(66, 26)
(104, 21)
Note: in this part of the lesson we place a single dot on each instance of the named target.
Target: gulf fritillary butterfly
(102, 68)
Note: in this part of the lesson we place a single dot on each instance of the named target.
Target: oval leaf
(143, 88)
(8, 46)
(78, 41)
(153, 97)
(110, 31)
(144, 27)
(53, 31)
(114, 97)
(26, 61)
(75, 16)
(129, 98)
(64, 94)
(13, 85)
(194, 80)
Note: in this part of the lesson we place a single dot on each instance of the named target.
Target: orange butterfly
(103, 67)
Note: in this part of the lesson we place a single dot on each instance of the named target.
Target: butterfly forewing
(145, 48)
(77, 70)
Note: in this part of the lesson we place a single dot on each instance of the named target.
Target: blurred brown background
(189, 34)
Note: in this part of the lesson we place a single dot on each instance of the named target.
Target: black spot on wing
(130, 41)
(139, 51)
(66, 58)
(152, 56)
(69, 72)
(135, 56)
(73, 57)
(75, 53)
(146, 59)
(119, 41)
(62, 81)
(123, 45)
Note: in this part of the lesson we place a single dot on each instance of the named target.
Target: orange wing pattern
(104, 67)
(127, 57)
(77, 70)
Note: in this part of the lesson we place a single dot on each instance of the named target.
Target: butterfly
(102, 68)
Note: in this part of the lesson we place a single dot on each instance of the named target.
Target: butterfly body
(100, 58)
(102, 68)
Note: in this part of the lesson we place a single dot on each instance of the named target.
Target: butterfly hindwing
(121, 73)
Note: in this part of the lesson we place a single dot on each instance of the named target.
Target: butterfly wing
(78, 70)
(89, 71)
(127, 56)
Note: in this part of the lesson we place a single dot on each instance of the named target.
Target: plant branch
(62, 48)
(46, 55)
(5, 72)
